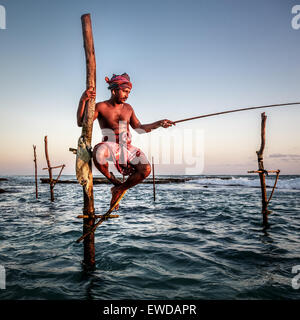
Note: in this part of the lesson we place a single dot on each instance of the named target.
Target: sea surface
(202, 239)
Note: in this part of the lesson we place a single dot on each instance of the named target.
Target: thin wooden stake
(262, 170)
(51, 181)
(153, 177)
(49, 169)
(277, 176)
(35, 171)
(62, 168)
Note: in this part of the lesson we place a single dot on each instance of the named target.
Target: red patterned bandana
(119, 81)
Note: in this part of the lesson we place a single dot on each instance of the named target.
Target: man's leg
(101, 155)
(142, 171)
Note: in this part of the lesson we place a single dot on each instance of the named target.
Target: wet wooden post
(52, 182)
(87, 129)
(35, 171)
(153, 177)
(262, 176)
(49, 169)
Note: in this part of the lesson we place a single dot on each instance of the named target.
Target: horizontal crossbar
(54, 167)
(96, 216)
(268, 171)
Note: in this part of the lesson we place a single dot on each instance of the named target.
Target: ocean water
(202, 239)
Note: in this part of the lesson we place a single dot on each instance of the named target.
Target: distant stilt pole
(153, 176)
(49, 170)
(35, 171)
(262, 170)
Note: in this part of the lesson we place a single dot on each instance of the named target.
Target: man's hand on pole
(88, 94)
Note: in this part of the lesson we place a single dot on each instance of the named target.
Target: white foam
(284, 183)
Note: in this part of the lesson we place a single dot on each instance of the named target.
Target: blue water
(201, 239)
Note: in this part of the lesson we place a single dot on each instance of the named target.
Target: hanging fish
(83, 157)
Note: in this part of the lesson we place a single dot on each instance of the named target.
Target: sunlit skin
(109, 113)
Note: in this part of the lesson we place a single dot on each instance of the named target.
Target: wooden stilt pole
(49, 169)
(153, 177)
(87, 129)
(262, 170)
(35, 171)
(52, 182)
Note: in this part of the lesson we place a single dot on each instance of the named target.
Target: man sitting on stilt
(114, 117)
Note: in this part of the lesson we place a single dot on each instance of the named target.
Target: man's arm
(87, 94)
(141, 128)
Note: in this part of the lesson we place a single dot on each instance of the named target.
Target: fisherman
(114, 117)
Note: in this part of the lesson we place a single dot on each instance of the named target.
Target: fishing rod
(237, 110)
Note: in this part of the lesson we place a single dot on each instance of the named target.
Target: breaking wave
(284, 182)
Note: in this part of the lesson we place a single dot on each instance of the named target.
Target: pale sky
(185, 58)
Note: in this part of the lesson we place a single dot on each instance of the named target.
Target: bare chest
(112, 116)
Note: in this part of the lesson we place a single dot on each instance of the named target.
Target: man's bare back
(114, 117)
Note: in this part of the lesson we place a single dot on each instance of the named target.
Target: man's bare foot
(116, 191)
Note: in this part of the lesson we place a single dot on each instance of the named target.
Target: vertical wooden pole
(87, 129)
(261, 168)
(35, 171)
(153, 177)
(49, 169)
